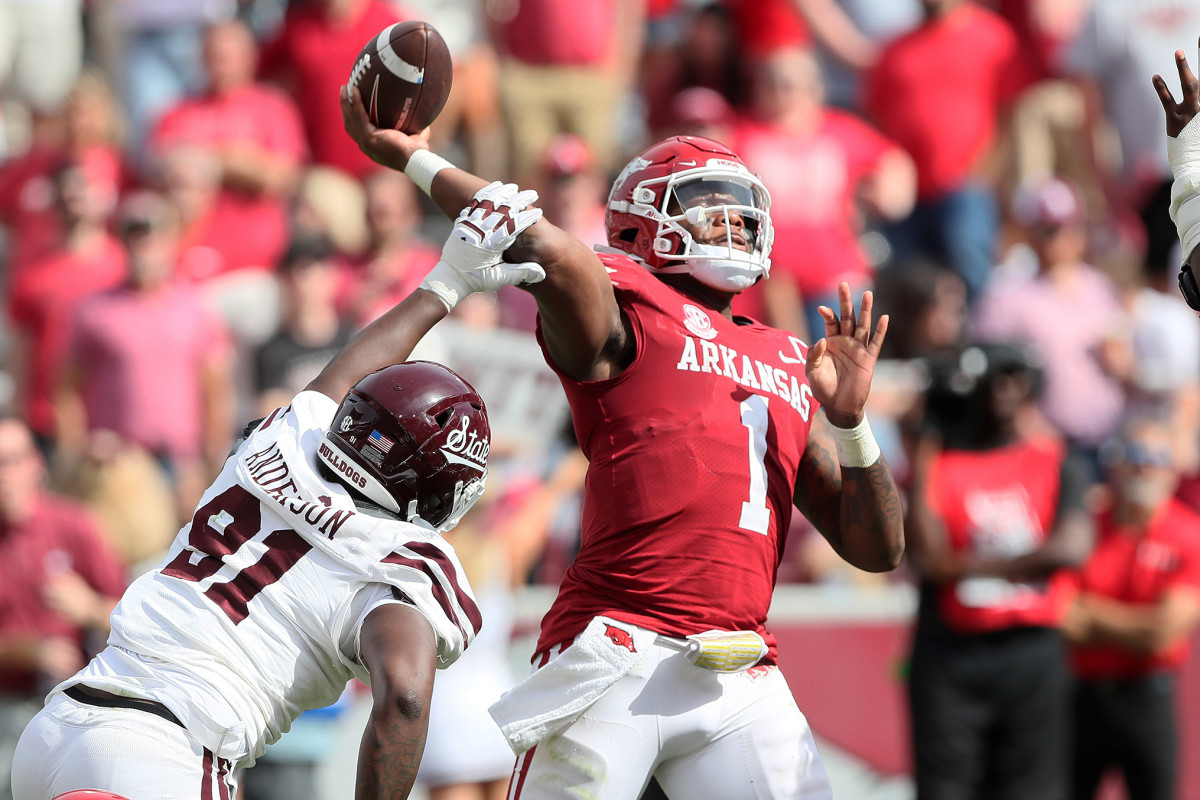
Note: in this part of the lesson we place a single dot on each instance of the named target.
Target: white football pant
(69, 745)
(705, 735)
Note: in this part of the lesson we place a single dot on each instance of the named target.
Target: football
(404, 76)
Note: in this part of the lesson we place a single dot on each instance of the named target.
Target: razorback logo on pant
(619, 637)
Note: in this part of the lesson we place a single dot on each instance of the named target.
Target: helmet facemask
(728, 202)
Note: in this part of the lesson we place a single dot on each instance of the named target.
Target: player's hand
(472, 258)
(495, 217)
(391, 148)
(70, 595)
(1181, 113)
(57, 658)
(840, 366)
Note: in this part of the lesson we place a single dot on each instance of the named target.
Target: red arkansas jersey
(998, 503)
(1139, 568)
(694, 450)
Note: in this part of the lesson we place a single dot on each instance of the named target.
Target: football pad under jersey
(694, 453)
(255, 613)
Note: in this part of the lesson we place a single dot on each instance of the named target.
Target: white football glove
(472, 258)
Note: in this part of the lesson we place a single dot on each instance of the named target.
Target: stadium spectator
(879, 22)
(214, 241)
(148, 362)
(254, 130)
(60, 581)
(1118, 46)
(700, 111)
(706, 56)
(952, 128)
(932, 303)
(160, 53)
(623, 336)
(818, 162)
(28, 31)
(92, 133)
(327, 522)
(86, 259)
(765, 26)
(312, 331)
(993, 514)
(572, 190)
(1136, 604)
(311, 56)
(1153, 355)
(1067, 310)
(331, 203)
(565, 67)
(396, 258)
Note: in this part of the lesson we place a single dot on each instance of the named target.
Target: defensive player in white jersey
(317, 555)
(702, 434)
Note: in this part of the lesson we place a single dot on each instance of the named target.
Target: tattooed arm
(857, 510)
(399, 651)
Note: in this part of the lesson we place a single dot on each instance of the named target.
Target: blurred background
(187, 235)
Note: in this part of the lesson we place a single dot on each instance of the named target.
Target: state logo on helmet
(414, 439)
(689, 205)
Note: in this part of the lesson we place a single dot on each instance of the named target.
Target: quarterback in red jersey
(701, 433)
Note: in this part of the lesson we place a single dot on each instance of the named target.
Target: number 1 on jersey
(755, 514)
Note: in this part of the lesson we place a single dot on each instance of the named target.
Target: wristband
(1183, 151)
(856, 447)
(422, 166)
(445, 282)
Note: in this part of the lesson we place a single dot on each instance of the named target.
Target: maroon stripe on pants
(206, 776)
(222, 779)
(522, 772)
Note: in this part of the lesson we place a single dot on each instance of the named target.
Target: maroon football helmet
(90, 794)
(693, 180)
(414, 438)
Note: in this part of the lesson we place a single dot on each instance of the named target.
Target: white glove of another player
(472, 258)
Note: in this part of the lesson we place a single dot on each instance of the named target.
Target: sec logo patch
(697, 321)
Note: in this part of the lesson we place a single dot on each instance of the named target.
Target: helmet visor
(724, 211)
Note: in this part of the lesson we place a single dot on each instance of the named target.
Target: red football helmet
(693, 181)
(90, 794)
(414, 438)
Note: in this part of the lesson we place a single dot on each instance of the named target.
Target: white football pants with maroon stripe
(69, 745)
(705, 735)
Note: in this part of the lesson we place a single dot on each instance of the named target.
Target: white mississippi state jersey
(255, 614)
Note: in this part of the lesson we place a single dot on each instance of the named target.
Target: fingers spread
(815, 354)
(1191, 90)
(876, 342)
(831, 321)
(847, 309)
(863, 330)
(1164, 94)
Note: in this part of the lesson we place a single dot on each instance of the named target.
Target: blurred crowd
(188, 234)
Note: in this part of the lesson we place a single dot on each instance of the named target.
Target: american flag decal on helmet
(382, 442)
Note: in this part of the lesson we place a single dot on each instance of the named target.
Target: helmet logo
(464, 446)
(698, 322)
(345, 424)
(636, 165)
